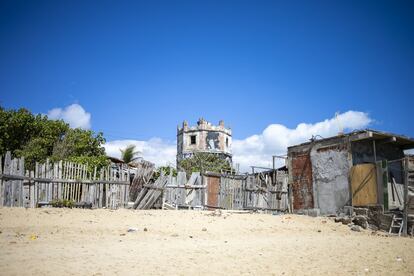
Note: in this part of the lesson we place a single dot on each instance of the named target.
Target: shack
(361, 168)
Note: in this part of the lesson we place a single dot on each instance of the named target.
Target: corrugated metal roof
(368, 134)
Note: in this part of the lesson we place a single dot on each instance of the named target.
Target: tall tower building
(204, 137)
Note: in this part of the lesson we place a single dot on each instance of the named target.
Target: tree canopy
(204, 162)
(36, 138)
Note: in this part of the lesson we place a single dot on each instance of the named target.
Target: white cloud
(258, 149)
(155, 150)
(254, 150)
(411, 151)
(73, 114)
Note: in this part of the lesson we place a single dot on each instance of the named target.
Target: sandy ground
(97, 242)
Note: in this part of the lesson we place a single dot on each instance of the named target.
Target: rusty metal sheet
(302, 186)
(213, 189)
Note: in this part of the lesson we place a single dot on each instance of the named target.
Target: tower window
(227, 142)
(192, 139)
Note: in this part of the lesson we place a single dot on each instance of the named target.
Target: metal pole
(405, 214)
(375, 151)
(274, 158)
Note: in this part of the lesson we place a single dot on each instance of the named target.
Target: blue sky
(138, 68)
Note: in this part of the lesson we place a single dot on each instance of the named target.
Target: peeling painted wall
(208, 138)
(330, 169)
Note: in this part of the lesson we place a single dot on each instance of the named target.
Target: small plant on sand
(62, 203)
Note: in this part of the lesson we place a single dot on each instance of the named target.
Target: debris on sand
(356, 228)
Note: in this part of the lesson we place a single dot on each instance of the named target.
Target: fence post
(7, 184)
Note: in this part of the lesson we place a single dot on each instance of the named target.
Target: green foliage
(204, 162)
(16, 128)
(37, 138)
(92, 161)
(62, 203)
(28, 135)
(165, 169)
(129, 154)
(79, 142)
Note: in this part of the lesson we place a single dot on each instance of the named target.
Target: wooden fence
(60, 182)
(54, 183)
(216, 191)
(263, 191)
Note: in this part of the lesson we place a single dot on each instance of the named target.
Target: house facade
(346, 170)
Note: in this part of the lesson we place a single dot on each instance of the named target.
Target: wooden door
(363, 185)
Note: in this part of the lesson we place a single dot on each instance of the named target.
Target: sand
(97, 242)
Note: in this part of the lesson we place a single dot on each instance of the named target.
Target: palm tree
(129, 154)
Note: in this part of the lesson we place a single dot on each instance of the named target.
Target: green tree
(204, 162)
(79, 142)
(129, 154)
(81, 146)
(165, 170)
(92, 161)
(28, 135)
(36, 138)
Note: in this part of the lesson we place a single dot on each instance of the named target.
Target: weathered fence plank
(7, 183)
(51, 182)
(235, 192)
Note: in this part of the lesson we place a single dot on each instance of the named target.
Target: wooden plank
(60, 185)
(84, 186)
(80, 183)
(40, 191)
(48, 186)
(127, 189)
(32, 191)
(26, 193)
(63, 172)
(191, 193)
(363, 185)
(20, 185)
(7, 183)
(76, 187)
(44, 187)
(153, 194)
(14, 183)
(101, 190)
(36, 185)
(107, 190)
(55, 185)
(72, 187)
(70, 181)
(77, 178)
(67, 176)
(93, 189)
